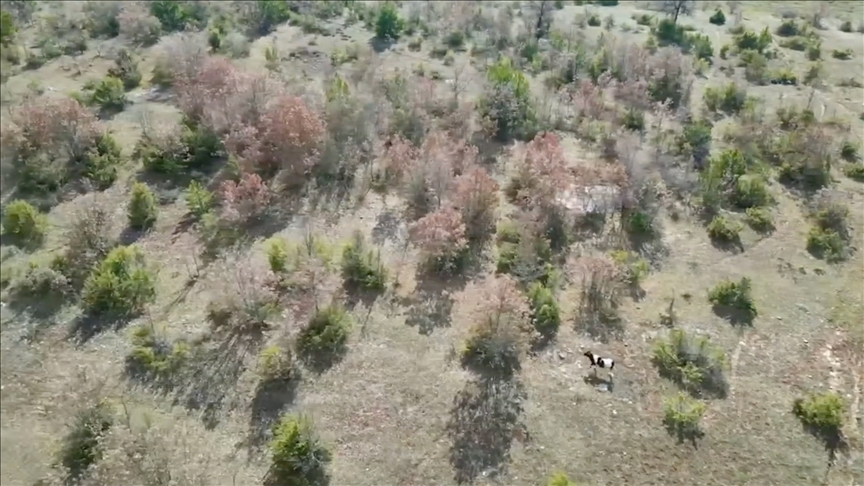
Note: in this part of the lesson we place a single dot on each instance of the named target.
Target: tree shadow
(484, 420)
(682, 432)
(737, 317)
(388, 227)
(24, 244)
(214, 374)
(603, 325)
(88, 325)
(832, 438)
(429, 308)
(321, 360)
(380, 45)
(272, 397)
(542, 340)
(130, 235)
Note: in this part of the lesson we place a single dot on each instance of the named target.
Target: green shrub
(681, 415)
(854, 172)
(729, 99)
(493, 345)
(735, 295)
(198, 199)
(7, 28)
(594, 21)
(560, 479)
(102, 162)
(154, 355)
(827, 244)
(126, 70)
(718, 18)
(692, 362)
(814, 51)
(361, 266)
(823, 411)
(843, 55)
(103, 19)
(275, 363)
(846, 26)
(22, 220)
(175, 15)
(81, 447)
(388, 25)
(795, 44)
(849, 151)
(721, 230)
(44, 283)
(277, 254)
(785, 77)
(760, 219)
(297, 455)
(748, 40)
(634, 268)
(109, 94)
(750, 190)
(327, 332)
(640, 223)
(120, 284)
(790, 28)
(142, 210)
(545, 313)
(633, 119)
(830, 213)
(508, 105)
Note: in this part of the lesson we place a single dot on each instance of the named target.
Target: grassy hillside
(367, 243)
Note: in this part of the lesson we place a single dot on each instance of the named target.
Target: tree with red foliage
(245, 200)
(60, 127)
(542, 171)
(440, 235)
(475, 194)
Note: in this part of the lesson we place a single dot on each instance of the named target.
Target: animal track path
(736, 355)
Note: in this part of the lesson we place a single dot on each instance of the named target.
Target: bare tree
(674, 8)
(538, 17)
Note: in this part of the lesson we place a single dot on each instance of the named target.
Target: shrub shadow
(272, 397)
(319, 362)
(130, 235)
(683, 433)
(380, 45)
(734, 246)
(161, 382)
(484, 420)
(736, 317)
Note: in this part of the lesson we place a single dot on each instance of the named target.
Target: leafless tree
(674, 8)
(538, 17)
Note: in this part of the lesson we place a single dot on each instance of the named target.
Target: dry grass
(398, 409)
